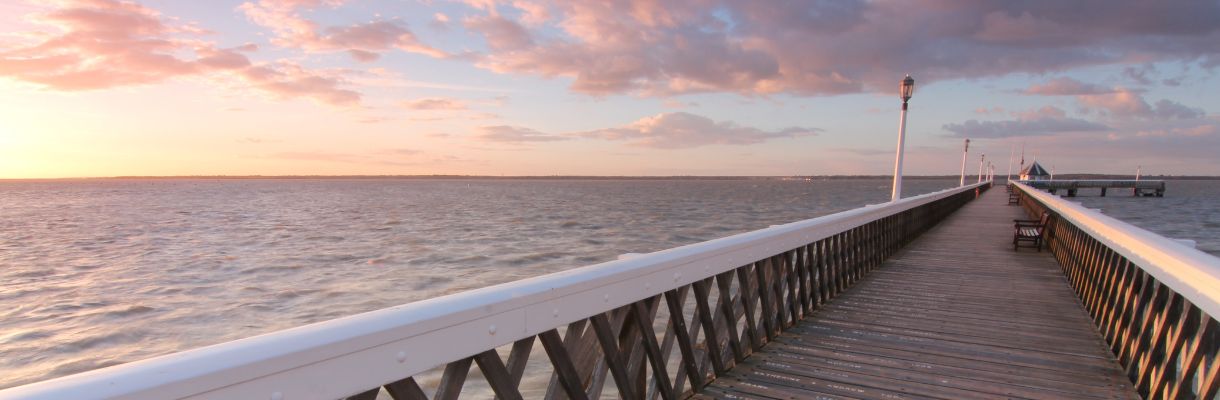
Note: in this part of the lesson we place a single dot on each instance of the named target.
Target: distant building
(1035, 172)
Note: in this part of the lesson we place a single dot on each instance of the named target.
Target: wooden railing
(714, 304)
(1153, 299)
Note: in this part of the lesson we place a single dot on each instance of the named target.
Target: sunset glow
(687, 87)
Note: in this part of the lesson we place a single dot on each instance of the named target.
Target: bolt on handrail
(1153, 299)
(735, 293)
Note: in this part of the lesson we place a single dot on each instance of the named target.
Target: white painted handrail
(348, 355)
(1189, 272)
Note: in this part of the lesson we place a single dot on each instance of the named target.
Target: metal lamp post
(965, 150)
(905, 90)
(982, 157)
(1011, 150)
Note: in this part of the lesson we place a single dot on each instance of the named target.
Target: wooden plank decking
(955, 315)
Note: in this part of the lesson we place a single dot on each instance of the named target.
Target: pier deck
(955, 315)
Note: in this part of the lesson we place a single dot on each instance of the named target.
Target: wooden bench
(1029, 230)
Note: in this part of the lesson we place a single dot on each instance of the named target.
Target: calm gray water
(96, 273)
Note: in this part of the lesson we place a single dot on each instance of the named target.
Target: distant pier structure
(1036, 176)
(1147, 188)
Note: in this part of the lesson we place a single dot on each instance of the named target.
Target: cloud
(106, 43)
(1185, 140)
(439, 22)
(436, 103)
(1044, 121)
(684, 130)
(393, 157)
(514, 135)
(363, 41)
(827, 47)
(287, 80)
(1067, 87)
(502, 34)
(401, 152)
(1168, 109)
(1128, 104)
(101, 44)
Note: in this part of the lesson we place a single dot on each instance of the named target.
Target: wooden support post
(406, 389)
(497, 375)
(614, 359)
(685, 345)
(569, 379)
(724, 283)
(653, 350)
(748, 291)
(453, 379)
(709, 328)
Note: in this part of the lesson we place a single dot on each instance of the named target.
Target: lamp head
(907, 88)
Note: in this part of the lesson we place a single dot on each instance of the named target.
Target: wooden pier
(1145, 187)
(957, 314)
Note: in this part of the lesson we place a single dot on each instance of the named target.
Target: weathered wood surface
(955, 315)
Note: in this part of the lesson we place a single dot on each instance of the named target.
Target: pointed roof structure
(1034, 172)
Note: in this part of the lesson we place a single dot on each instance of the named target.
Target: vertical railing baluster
(497, 375)
(574, 342)
(406, 389)
(453, 379)
(730, 318)
(794, 303)
(709, 328)
(561, 362)
(764, 295)
(1144, 286)
(748, 293)
(685, 345)
(1157, 351)
(517, 359)
(1187, 324)
(614, 359)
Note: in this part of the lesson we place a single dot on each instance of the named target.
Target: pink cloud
(684, 130)
(108, 43)
(287, 80)
(502, 34)
(1126, 104)
(827, 47)
(393, 157)
(1044, 112)
(436, 103)
(1067, 87)
(102, 43)
(514, 135)
(1043, 121)
(363, 41)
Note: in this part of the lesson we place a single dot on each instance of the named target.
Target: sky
(92, 88)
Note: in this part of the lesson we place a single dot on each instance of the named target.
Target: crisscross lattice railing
(662, 325)
(1154, 300)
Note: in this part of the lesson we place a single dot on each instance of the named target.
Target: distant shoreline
(571, 177)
